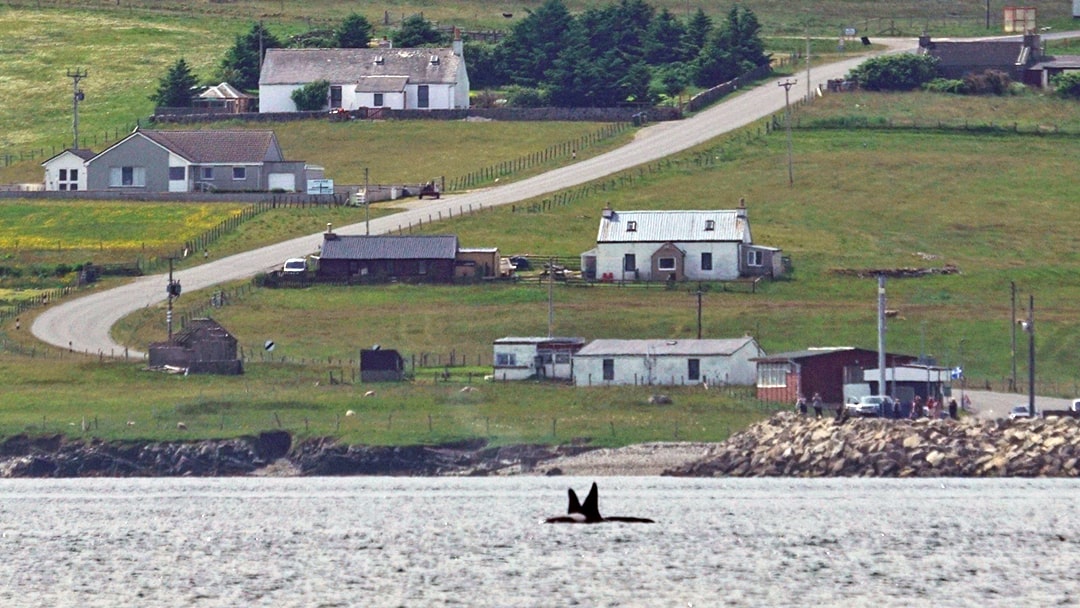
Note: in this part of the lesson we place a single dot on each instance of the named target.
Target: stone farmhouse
(713, 245)
(397, 79)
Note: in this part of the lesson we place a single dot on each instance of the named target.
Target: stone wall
(795, 446)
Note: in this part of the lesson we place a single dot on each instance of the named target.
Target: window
(562, 358)
(706, 260)
(710, 225)
(68, 179)
(609, 369)
(177, 174)
(127, 177)
(378, 101)
(693, 369)
(754, 257)
(772, 374)
(422, 96)
(421, 267)
(665, 264)
(208, 173)
(505, 359)
(335, 96)
(631, 226)
(629, 263)
(239, 173)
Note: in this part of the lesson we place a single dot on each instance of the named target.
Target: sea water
(380, 541)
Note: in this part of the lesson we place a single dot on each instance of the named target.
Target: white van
(294, 266)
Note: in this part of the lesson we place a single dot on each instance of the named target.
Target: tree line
(605, 56)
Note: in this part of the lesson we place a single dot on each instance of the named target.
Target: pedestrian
(953, 407)
(18, 324)
(815, 401)
(800, 405)
(916, 407)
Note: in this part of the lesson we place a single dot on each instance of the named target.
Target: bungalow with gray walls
(525, 358)
(713, 245)
(667, 362)
(398, 79)
(197, 161)
(66, 171)
(386, 258)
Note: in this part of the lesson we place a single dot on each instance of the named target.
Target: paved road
(84, 324)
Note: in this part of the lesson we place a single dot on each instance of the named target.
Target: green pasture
(997, 205)
(121, 401)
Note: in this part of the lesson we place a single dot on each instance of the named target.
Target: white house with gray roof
(709, 245)
(398, 79)
(673, 362)
(194, 161)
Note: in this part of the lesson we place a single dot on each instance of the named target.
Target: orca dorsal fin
(575, 505)
(591, 508)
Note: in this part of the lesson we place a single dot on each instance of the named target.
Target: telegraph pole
(76, 97)
(787, 84)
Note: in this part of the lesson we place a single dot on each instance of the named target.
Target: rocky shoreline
(784, 445)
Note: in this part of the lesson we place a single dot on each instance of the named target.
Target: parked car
(294, 266)
(1019, 411)
(871, 405)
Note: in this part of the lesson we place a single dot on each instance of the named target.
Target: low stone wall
(795, 446)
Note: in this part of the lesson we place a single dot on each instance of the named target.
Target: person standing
(800, 405)
(953, 407)
(815, 402)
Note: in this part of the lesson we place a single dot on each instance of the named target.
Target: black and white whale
(589, 511)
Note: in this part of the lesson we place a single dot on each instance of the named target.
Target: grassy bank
(118, 401)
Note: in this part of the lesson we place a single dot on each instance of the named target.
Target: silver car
(871, 405)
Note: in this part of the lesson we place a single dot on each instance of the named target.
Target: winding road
(84, 324)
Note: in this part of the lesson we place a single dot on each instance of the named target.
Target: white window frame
(239, 174)
(136, 178)
(505, 359)
(206, 174)
(666, 264)
(773, 374)
(755, 257)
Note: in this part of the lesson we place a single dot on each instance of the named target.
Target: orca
(589, 511)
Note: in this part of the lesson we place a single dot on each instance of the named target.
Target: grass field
(119, 401)
(996, 205)
(125, 48)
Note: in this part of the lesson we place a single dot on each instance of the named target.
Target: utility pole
(173, 290)
(367, 205)
(76, 97)
(808, 97)
(881, 335)
(1029, 327)
(1012, 323)
(787, 84)
(551, 297)
(699, 312)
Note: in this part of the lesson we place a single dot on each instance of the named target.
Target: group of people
(932, 408)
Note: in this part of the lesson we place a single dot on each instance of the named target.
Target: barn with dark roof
(383, 258)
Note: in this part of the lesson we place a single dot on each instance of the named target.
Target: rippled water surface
(478, 542)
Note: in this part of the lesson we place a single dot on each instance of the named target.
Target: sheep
(369, 394)
(180, 426)
(350, 414)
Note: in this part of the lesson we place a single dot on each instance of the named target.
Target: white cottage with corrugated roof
(667, 362)
(398, 79)
(710, 245)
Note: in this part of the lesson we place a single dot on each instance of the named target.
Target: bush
(523, 97)
(903, 72)
(1067, 84)
(945, 85)
(990, 82)
(312, 96)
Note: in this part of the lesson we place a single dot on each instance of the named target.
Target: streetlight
(787, 84)
(1028, 325)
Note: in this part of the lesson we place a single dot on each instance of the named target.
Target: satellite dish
(269, 346)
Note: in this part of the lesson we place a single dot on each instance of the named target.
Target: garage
(282, 182)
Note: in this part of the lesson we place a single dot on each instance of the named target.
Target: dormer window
(631, 226)
(710, 225)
